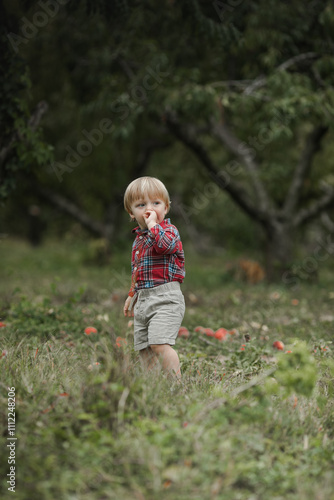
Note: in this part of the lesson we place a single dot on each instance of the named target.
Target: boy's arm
(165, 240)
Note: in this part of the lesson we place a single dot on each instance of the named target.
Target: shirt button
(140, 237)
(137, 252)
(135, 269)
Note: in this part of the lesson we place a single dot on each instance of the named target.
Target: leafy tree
(275, 106)
(246, 87)
(21, 146)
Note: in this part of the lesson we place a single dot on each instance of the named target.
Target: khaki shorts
(158, 314)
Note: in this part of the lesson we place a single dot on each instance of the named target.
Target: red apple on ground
(183, 332)
(221, 333)
(200, 329)
(278, 345)
(90, 329)
(209, 332)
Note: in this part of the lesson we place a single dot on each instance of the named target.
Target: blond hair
(145, 186)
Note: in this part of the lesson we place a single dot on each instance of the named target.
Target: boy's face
(143, 205)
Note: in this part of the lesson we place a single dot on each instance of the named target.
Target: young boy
(157, 270)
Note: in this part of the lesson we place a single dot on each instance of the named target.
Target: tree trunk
(278, 250)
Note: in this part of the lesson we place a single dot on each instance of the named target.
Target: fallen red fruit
(221, 333)
(2, 325)
(209, 332)
(90, 329)
(278, 345)
(183, 332)
(200, 329)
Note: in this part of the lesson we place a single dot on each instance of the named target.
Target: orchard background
(231, 105)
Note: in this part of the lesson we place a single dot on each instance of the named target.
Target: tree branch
(231, 83)
(67, 206)
(312, 145)
(36, 116)
(243, 152)
(261, 80)
(106, 229)
(327, 222)
(186, 134)
(306, 214)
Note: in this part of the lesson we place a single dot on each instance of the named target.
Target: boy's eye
(157, 203)
(140, 205)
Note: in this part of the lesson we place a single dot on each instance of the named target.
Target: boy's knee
(158, 348)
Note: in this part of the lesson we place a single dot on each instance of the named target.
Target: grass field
(248, 423)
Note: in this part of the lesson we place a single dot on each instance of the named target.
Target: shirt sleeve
(165, 240)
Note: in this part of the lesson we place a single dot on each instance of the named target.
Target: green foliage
(297, 371)
(91, 424)
(193, 99)
(40, 320)
(22, 148)
(249, 359)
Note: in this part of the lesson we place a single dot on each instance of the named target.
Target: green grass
(247, 424)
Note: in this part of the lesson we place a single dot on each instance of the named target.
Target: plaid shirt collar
(138, 230)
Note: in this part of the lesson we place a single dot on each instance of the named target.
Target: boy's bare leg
(169, 358)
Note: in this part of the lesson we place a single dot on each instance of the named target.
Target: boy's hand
(126, 308)
(150, 217)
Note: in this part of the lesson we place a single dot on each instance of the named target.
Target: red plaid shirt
(157, 256)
